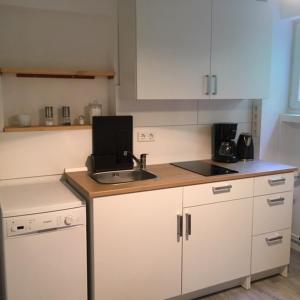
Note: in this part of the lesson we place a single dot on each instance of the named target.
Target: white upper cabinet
(241, 49)
(194, 49)
(173, 48)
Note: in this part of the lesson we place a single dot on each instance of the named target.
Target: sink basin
(122, 176)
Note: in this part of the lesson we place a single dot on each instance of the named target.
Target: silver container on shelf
(66, 118)
(49, 121)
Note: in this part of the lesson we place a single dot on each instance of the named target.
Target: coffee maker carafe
(223, 145)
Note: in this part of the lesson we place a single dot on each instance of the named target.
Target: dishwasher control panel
(43, 222)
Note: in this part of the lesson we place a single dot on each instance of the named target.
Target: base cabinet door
(216, 243)
(136, 252)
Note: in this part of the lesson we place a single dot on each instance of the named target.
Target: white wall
(55, 39)
(290, 8)
(42, 153)
(279, 88)
(281, 142)
(290, 145)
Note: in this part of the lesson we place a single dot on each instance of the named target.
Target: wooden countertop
(170, 176)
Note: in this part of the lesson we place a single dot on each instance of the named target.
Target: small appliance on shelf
(223, 143)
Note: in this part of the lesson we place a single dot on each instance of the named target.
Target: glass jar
(95, 110)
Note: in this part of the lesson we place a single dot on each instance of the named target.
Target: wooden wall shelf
(46, 128)
(56, 73)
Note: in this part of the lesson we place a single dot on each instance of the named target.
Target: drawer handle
(277, 239)
(276, 201)
(277, 181)
(222, 189)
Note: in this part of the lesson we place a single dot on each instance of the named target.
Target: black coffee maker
(223, 145)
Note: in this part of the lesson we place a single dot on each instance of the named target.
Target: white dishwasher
(43, 241)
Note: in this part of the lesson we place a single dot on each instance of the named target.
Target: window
(295, 76)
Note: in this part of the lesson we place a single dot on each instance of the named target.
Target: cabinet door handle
(179, 226)
(277, 181)
(215, 80)
(207, 85)
(222, 189)
(276, 201)
(188, 226)
(277, 239)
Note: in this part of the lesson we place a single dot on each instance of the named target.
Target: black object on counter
(245, 148)
(202, 168)
(223, 145)
(112, 135)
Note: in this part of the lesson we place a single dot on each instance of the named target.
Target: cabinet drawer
(270, 251)
(272, 212)
(273, 184)
(217, 192)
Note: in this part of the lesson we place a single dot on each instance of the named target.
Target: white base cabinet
(161, 244)
(272, 222)
(218, 248)
(135, 251)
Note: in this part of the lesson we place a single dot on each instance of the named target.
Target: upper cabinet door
(173, 48)
(241, 49)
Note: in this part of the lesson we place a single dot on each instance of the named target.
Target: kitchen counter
(170, 176)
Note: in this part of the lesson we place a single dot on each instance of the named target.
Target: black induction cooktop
(203, 168)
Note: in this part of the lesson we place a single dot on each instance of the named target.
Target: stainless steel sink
(122, 176)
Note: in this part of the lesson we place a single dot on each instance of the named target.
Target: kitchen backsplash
(178, 143)
(47, 153)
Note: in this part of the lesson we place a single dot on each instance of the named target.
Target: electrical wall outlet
(145, 136)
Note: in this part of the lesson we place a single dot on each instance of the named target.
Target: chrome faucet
(140, 162)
